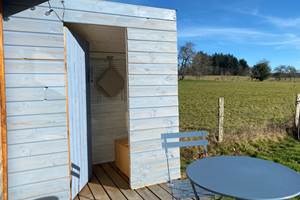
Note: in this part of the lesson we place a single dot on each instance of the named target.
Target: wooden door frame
(67, 110)
(3, 110)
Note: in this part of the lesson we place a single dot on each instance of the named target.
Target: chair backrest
(169, 143)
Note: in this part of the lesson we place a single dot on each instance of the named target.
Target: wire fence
(249, 107)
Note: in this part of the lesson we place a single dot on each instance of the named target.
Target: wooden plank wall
(153, 102)
(36, 105)
(37, 131)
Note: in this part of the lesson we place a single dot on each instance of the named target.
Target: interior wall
(108, 114)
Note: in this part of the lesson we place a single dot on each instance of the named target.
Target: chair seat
(182, 189)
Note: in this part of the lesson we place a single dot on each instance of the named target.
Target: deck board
(165, 187)
(121, 183)
(97, 189)
(119, 172)
(111, 189)
(147, 194)
(160, 192)
(109, 183)
(86, 194)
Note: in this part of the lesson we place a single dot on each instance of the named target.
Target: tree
(185, 57)
(219, 61)
(201, 64)
(225, 64)
(283, 71)
(291, 71)
(280, 72)
(261, 70)
(244, 68)
(233, 64)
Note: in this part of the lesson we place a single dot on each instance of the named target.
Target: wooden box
(122, 155)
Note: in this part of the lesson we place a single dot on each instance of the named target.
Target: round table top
(245, 177)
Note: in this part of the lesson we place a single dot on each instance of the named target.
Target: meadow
(257, 116)
(249, 105)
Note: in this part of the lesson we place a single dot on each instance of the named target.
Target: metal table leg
(194, 189)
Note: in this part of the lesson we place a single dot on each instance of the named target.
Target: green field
(257, 115)
(249, 105)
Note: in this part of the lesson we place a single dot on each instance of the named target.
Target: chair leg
(195, 192)
(172, 193)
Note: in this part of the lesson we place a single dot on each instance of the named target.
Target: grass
(284, 150)
(248, 105)
(256, 117)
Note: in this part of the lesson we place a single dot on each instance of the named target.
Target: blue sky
(250, 29)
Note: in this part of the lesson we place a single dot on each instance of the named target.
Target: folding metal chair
(184, 188)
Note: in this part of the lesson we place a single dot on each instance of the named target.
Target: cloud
(276, 21)
(243, 36)
(284, 40)
(283, 22)
(219, 31)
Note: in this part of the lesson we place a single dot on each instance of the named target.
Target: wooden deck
(108, 183)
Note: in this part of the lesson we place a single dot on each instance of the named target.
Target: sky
(249, 29)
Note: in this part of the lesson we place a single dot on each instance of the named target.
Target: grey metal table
(243, 177)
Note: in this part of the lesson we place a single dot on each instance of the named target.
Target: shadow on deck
(108, 183)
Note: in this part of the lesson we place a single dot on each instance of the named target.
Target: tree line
(200, 63)
(284, 72)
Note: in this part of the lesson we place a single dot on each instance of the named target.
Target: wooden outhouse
(76, 77)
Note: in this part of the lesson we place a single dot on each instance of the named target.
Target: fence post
(221, 119)
(297, 115)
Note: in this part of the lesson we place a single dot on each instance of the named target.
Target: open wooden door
(76, 63)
